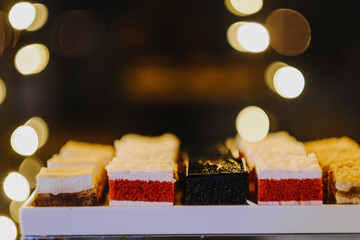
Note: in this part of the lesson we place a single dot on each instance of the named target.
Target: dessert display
(339, 160)
(66, 187)
(282, 173)
(143, 171)
(220, 179)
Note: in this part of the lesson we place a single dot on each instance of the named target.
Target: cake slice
(66, 187)
(282, 173)
(95, 161)
(339, 160)
(143, 173)
(217, 180)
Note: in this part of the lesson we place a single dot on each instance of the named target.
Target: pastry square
(143, 173)
(66, 187)
(216, 181)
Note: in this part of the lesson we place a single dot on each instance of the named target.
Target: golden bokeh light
(29, 168)
(24, 140)
(8, 230)
(2, 91)
(290, 32)
(40, 17)
(32, 59)
(22, 15)
(253, 37)
(41, 129)
(289, 82)
(232, 36)
(16, 187)
(252, 124)
(14, 208)
(270, 73)
(243, 7)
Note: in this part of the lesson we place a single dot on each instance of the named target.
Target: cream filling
(346, 186)
(115, 203)
(353, 200)
(141, 175)
(56, 185)
(278, 175)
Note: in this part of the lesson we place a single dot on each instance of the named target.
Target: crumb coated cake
(282, 173)
(216, 180)
(339, 160)
(66, 187)
(95, 161)
(143, 172)
(76, 148)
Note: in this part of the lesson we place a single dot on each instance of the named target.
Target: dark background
(165, 66)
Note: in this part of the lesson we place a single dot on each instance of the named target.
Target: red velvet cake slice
(282, 172)
(144, 170)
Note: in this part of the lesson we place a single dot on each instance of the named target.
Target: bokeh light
(232, 36)
(14, 209)
(253, 37)
(290, 32)
(2, 91)
(77, 33)
(24, 140)
(270, 71)
(32, 59)
(29, 168)
(289, 82)
(243, 7)
(41, 129)
(16, 187)
(252, 124)
(40, 17)
(8, 229)
(22, 15)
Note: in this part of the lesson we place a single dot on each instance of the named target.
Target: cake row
(151, 171)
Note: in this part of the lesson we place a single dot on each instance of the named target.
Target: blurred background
(93, 71)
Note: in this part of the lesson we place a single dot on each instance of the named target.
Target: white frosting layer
(56, 185)
(139, 175)
(115, 203)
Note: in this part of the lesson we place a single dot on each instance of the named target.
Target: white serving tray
(193, 220)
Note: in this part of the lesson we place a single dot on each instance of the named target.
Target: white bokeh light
(22, 15)
(8, 229)
(40, 17)
(252, 124)
(243, 7)
(24, 140)
(32, 59)
(41, 128)
(2, 91)
(253, 37)
(289, 82)
(16, 187)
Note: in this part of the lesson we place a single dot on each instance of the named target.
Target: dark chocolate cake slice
(217, 180)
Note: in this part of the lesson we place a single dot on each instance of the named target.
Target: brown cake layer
(83, 198)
